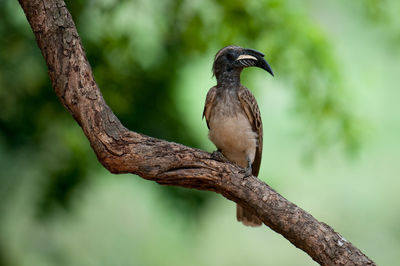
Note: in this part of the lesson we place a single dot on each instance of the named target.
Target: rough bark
(123, 151)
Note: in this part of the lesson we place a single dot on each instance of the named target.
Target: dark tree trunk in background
(123, 151)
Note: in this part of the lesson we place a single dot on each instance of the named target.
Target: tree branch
(123, 151)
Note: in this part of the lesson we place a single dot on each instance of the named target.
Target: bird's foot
(248, 170)
(218, 156)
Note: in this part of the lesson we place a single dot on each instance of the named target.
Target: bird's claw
(218, 156)
(246, 171)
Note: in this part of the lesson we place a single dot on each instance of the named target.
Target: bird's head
(230, 60)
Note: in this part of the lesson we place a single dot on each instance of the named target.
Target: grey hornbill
(233, 117)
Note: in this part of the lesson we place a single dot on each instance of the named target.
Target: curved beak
(251, 57)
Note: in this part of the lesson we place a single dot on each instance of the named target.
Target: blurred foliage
(384, 13)
(138, 51)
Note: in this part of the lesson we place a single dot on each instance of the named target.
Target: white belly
(234, 136)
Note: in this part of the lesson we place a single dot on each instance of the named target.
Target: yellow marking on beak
(246, 56)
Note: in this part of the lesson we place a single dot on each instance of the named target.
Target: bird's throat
(229, 79)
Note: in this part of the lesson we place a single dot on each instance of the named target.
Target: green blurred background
(331, 131)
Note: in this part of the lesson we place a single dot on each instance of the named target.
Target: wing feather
(250, 107)
(209, 104)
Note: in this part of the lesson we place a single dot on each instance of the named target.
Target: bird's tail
(247, 217)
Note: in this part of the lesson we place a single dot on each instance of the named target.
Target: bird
(233, 116)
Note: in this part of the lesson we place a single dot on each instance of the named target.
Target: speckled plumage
(233, 116)
(235, 125)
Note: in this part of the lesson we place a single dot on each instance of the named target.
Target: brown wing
(250, 107)
(209, 104)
